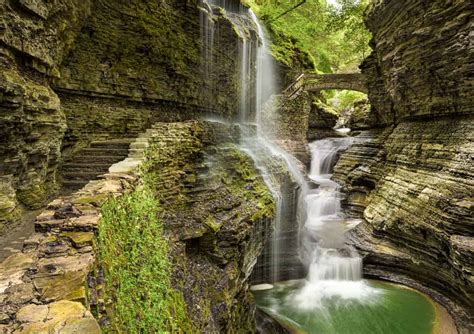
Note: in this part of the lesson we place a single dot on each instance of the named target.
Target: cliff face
(217, 212)
(136, 62)
(78, 71)
(412, 180)
(422, 61)
(35, 36)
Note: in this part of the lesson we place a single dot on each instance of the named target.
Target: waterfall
(257, 85)
(334, 268)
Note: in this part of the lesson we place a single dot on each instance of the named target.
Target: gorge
(157, 175)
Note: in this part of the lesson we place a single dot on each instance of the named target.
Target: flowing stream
(334, 269)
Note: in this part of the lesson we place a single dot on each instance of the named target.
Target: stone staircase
(93, 161)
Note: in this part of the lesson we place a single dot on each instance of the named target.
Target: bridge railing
(296, 86)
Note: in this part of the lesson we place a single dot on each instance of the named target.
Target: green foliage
(335, 37)
(342, 99)
(137, 270)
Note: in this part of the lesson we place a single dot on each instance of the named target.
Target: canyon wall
(213, 207)
(217, 212)
(34, 36)
(137, 62)
(77, 71)
(411, 179)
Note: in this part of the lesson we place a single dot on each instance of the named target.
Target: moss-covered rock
(216, 209)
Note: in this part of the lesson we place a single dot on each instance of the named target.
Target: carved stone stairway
(93, 161)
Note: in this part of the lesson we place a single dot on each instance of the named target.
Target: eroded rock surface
(217, 211)
(111, 80)
(412, 180)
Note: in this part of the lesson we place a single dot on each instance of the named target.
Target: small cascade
(334, 268)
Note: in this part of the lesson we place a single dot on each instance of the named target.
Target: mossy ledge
(165, 242)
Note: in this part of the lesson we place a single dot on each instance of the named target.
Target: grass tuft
(137, 269)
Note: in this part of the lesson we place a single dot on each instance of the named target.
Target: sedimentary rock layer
(117, 66)
(34, 38)
(413, 187)
(423, 61)
(217, 211)
(412, 179)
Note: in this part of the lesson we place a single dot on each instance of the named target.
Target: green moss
(212, 224)
(95, 200)
(251, 185)
(134, 256)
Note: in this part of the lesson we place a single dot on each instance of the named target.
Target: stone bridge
(318, 82)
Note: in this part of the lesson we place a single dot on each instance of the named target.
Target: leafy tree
(331, 32)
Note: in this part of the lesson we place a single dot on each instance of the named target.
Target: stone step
(106, 159)
(86, 176)
(74, 184)
(85, 167)
(104, 151)
(112, 143)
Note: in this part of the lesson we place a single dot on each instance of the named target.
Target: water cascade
(334, 269)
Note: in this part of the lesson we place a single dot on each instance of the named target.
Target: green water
(392, 310)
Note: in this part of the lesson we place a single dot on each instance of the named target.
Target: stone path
(46, 287)
(12, 242)
(93, 161)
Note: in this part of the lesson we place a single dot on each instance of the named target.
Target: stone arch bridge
(319, 82)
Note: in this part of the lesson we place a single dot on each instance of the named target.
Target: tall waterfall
(322, 234)
(257, 85)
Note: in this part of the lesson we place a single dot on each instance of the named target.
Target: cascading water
(335, 269)
(322, 238)
(257, 85)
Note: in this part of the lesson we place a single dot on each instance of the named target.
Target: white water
(335, 269)
(254, 93)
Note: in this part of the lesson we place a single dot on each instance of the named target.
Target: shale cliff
(411, 179)
(77, 71)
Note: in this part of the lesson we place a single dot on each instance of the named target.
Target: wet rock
(13, 269)
(79, 239)
(83, 325)
(19, 294)
(216, 217)
(62, 317)
(322, 119)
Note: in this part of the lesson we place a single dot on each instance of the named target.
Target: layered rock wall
(412, 178)
(34, 36)
(216, 212)
(422, 61)
(117, 66)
